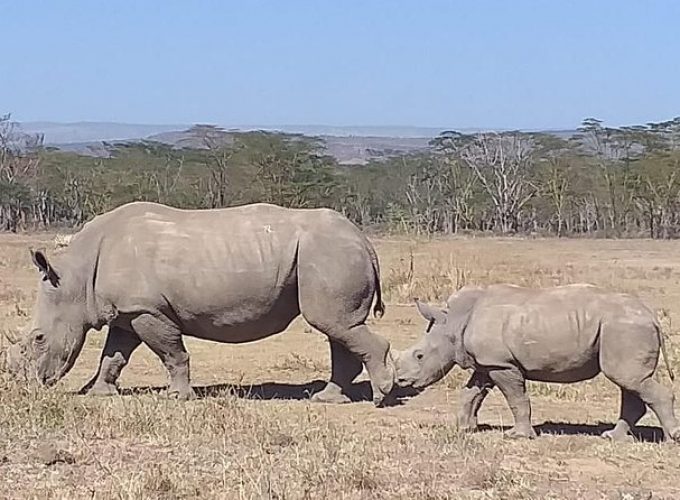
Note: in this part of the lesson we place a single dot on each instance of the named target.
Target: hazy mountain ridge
(348, 144)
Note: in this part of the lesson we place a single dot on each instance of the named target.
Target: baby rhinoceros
(509, 334)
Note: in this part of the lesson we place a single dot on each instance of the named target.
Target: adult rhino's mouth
(73, 351)
(49, 381)
(61, 373)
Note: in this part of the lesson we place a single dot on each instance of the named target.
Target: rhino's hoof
(516, 433)
(182, 394)
(330, 397)
(385, 400)
(468, 428)
(619, 437)
(103, 390)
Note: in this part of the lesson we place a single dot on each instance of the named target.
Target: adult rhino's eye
(39, 338)
(419, 356)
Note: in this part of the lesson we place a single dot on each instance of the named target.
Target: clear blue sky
(510, 64)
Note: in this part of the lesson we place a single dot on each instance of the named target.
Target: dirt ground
(252, 433)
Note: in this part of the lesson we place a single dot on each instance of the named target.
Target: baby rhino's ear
(431, 314)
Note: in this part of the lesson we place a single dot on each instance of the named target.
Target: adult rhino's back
(226, 274)
(156, 239)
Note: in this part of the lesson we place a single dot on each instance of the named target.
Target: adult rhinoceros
(509, 334)
(154, 273)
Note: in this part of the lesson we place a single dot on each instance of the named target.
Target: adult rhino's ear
(40, 260)
(431, 314)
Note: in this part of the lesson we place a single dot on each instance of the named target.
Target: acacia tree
(554, 179)
(290, 169)
(221, 148)
(458, 182)
(657, 191)
(612, 150)
(18, 171)
(502, 163)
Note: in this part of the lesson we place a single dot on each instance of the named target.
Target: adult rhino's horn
(9, 337)
(8, 352)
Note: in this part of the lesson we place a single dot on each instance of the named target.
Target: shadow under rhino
(358, 392)
(642, 433)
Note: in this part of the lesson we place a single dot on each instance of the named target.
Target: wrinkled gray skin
(154, 273)
(508, 334)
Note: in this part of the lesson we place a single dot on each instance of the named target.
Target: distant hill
(350, 145)
(81, 132)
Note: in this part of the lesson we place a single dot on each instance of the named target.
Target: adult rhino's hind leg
(660, 399)
(165, 339)
(628, 357)
(632, 410)
(116, 354)
(336, 287)
(345, 367)
(374, 352)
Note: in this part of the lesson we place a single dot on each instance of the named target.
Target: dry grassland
(253, 433)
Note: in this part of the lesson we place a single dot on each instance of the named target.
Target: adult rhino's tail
(379, 307)
(664, 353)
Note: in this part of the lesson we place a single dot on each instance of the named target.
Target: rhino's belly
(557, 351)
(567, 375)
(243, 322)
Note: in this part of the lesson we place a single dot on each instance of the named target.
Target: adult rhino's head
(441, 347)
(59, 323)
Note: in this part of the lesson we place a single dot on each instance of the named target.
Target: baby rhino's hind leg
(628, 358)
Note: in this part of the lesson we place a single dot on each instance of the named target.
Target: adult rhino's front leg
(164, 338)
(118, 348)
(471, 398)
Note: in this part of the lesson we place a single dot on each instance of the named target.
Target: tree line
(603, 181)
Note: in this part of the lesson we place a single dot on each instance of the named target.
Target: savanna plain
(252, 432)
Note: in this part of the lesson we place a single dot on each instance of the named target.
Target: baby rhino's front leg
(512, 384)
